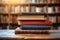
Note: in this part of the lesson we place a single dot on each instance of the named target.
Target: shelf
(54, 14)
(15, 14)
(33, 13)
(3, 13)
(37, 4)
(3, 4)
(56, 24)
(55, 4)
(3, 23)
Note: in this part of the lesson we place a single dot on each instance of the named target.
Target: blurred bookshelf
(10, 11)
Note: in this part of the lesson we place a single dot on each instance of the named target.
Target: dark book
(32, 32)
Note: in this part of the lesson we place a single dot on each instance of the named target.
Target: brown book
(35, 17)
(58, 19)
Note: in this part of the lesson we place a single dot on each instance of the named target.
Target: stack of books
(33, 26)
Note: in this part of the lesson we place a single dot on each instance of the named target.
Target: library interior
(29, 19)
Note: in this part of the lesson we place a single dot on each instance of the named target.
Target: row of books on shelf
(6, 19)
(33, 9)
(45, 1)
(3, 19)
(30, 1)
(51, 9)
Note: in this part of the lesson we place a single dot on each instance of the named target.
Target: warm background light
(14, 1)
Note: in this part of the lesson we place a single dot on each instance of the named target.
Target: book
(22, 9)
(52, 19)
(14, 19)
(57, 9)
(58, 1)
(27, 9)
(6, 9)
(0, 18)
(53, 1)
(49, 1)
(50, 9)
(32, 1)
(39, 9)
(44, 1)
(35, 17)
(13, 9)
(32, 9)
(4, 18)
(17, 9)
(41, 1)
(44, 10)
(37, 1)
(35, 22)
(0, 9)
(35, 27)
(58, 19)
(32, 32)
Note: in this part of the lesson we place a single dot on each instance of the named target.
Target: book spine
(13, 9)
(50, 9)
(0, 9)
(35, 27)
(44, 10)
(35, 22)
(41, 1)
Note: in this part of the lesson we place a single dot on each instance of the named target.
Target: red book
(35, 22)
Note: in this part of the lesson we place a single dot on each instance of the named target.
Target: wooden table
(10, 35)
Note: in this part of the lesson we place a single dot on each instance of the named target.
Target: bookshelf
(11, 10)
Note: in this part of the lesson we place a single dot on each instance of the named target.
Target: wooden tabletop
(54, 34)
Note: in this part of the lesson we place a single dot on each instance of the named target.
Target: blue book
(44, 10)
(35, 27)
(32, 1)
